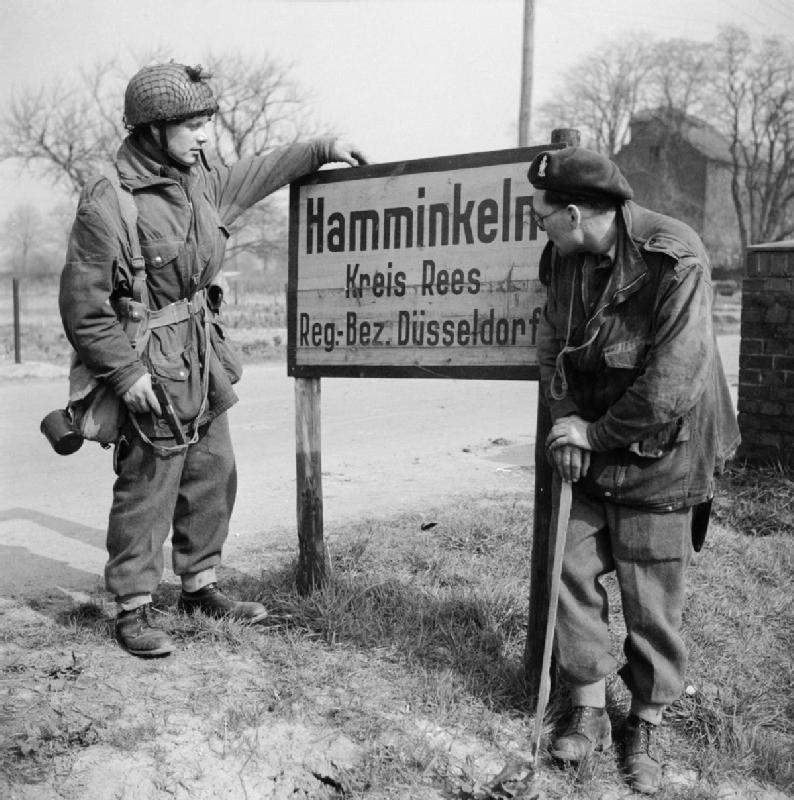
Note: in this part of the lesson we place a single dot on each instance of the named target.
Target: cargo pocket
(623, 362)
(649, 537)
(173, 360)
(175, 375)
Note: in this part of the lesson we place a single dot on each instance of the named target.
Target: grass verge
(402, 678)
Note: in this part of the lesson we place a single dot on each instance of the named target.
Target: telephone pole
(528, 54)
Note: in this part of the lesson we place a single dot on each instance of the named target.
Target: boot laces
(145, 615)
(645, 736)
(643, 742)
(581, 718)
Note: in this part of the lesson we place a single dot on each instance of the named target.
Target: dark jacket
(183, 225)
(642, 366)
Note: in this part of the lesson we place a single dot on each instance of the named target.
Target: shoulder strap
(129, 218)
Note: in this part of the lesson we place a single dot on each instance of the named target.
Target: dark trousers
(649, 553)
(192, 492)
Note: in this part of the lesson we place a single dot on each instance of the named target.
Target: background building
(680, 165)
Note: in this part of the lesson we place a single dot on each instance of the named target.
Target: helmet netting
(167, 93)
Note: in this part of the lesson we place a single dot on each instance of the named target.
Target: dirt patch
(83, 720)
(236, 712)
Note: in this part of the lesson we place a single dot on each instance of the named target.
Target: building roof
(703, 137)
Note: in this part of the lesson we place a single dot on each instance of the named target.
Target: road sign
(425, 268)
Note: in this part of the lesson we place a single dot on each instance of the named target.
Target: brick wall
(766, 354)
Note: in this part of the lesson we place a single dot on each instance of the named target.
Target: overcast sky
(402, 78)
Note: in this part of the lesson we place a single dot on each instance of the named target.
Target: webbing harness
(139, 320)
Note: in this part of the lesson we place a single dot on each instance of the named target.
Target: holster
(700, 523)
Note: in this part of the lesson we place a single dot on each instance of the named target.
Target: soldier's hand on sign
(568, 448)
(348, 153)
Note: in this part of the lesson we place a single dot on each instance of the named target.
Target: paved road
(387, 446)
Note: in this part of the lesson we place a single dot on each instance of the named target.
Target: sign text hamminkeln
(423, 268)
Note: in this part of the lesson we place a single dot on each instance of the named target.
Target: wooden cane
(558, 528)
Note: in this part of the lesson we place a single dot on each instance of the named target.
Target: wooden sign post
(425, 268)
(542, 516)
(311, 552)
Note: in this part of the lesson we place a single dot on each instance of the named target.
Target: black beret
(576, 170)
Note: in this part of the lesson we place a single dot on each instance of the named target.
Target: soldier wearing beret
(641, 421)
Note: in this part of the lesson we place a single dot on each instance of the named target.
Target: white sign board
(423, 268)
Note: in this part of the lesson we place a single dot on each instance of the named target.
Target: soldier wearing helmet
(167, 93)
(144, 315)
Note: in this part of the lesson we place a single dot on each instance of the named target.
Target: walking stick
(559, 526)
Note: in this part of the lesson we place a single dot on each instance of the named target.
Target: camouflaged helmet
(167, 93)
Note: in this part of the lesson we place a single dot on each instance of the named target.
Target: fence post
(17, 329)
(541, 519)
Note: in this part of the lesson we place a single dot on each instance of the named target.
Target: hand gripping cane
(559, 527)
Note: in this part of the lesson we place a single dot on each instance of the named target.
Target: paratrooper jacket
(183, 224)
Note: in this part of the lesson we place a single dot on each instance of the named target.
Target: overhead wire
(754, 17)
(780, 8)
(669, 23)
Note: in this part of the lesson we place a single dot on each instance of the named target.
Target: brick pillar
(766, 354)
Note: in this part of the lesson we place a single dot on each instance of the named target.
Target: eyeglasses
(540, 219)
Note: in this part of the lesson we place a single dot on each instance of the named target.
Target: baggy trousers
(192, 491)
(649, 553)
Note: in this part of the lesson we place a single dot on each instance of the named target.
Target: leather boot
(213, 602)
(640, 761)
(589, 729)
(137, 635)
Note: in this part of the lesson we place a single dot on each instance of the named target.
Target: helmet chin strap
(162, 137)
(159, 138)
(153, 136)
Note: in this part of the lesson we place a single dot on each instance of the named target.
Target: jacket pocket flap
(159, 252)
(625, 355)
(173, 369)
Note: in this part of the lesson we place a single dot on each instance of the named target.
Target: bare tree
(260, 108)
(26, 238)
(601, 93)
(67, 132)
(744, 90)
(755, 87)
(679, 78)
